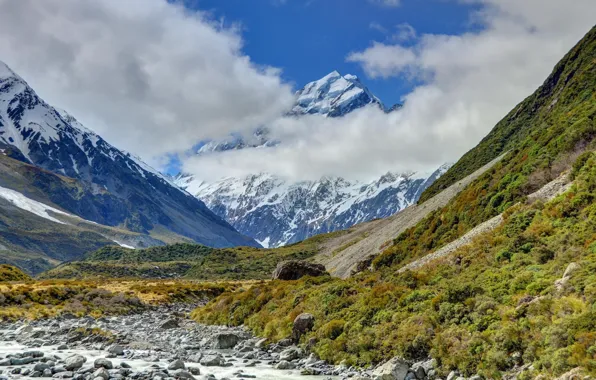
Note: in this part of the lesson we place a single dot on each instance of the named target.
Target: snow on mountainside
(116, 188)
(334, 95)
(277, 212)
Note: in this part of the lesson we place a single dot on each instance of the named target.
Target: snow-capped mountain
(276, 211)
(110, 186)
(334, 95)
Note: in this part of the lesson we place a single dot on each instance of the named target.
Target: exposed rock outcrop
(294, 270)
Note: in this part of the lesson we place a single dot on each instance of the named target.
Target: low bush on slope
(187, 260)
(498, 303)
(41, 299)
(10, 273)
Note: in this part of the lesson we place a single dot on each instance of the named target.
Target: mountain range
(49, 157)
(276, 211)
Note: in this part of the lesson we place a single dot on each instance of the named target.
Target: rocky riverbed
(159, 344)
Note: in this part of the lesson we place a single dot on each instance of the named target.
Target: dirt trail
(342, 254)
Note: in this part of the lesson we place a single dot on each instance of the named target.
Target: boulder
(295, 269)
(176, 364)
(394, 369)
(284, 364)
(74, 362)
(224, 341)
(290, 354)
(182, 374)
(170, 324)
(101, 373)
(63, 375)
(212, 360)
(40, 367)
(302, 324)
(194, 370)
(116, 350)
(103, 363)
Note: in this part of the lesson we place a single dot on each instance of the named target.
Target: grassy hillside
(500, 304)
(523, 294)
(9, 273)
(42, 299)
(543, 134)
(550, 117)
(187, 260)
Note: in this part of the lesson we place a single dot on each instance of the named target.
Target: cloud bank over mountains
(155, 79)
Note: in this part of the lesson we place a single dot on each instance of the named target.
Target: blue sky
(309, 38)
(155, 82)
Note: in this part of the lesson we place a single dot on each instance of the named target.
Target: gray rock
(40, 367)
(194, 370)
(452, 375)
(116, 350)
(170, 324)
(212, 360)
(63, 375)
(22, 361)
(34, 354)
(295, 269)
(182, 374)
(224, 341)
(101, 373)
(261, 343)
(176, 364)
(5, 362)
(290, 354)
(284, 364)
(74, 362)
(302, 324)
(103, 363)
(394, 369)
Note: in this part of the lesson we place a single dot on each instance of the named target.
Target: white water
(261, 371)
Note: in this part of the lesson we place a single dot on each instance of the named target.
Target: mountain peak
(334, 95)
(6, 71)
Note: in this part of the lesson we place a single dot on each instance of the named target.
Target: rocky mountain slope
(84, 175)
(276, 211)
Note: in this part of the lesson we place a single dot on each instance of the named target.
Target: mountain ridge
(86, 176)
(277, 211)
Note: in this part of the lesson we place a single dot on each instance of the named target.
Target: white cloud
(378, 27)
(148, 75)
(405, 32)
(155, 79)
(387, 3)
(375, 63)
(469, 81)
